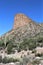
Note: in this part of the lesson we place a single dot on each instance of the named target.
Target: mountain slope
(23, 28)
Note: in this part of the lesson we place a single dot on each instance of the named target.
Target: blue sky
(8, 8)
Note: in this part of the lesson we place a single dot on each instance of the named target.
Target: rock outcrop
(20, 20)
(23, 28)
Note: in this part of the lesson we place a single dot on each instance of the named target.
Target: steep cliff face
(24, 25)
(23, 28)
(20, 20)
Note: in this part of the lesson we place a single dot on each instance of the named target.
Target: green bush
(27, 44)
(36, 62)
(8, 60)
(33, 51)
(40, 40)
(9, 48)
(5, 60)
(0, 59)
(39, 55)
(2, 44)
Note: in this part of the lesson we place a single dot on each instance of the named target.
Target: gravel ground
(7, 64)
(16, 63)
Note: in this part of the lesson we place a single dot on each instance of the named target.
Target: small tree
(9, 48)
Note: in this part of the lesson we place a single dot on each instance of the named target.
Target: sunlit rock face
(25, 24)
(20, 20)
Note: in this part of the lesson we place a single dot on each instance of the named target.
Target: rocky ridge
(23, 27)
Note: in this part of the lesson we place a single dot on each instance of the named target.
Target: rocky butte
(21, 20)
(23, 28)
(22, 43)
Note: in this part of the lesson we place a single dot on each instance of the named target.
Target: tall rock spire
(20, 20)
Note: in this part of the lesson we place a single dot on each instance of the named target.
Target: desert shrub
(38, 54)
(9, 48)
(2, 44)
(0, 59)
(13, 60)
(5, 60)
(8, 60)
(40, 40)
(27, 44)
(32, 46)
(36, 62)
(16, 60)
(33, 51)
(19, 50)
(26, 59)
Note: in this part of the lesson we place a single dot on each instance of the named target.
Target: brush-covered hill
(23, 28)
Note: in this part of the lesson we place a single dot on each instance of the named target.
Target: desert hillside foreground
(23, 45)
